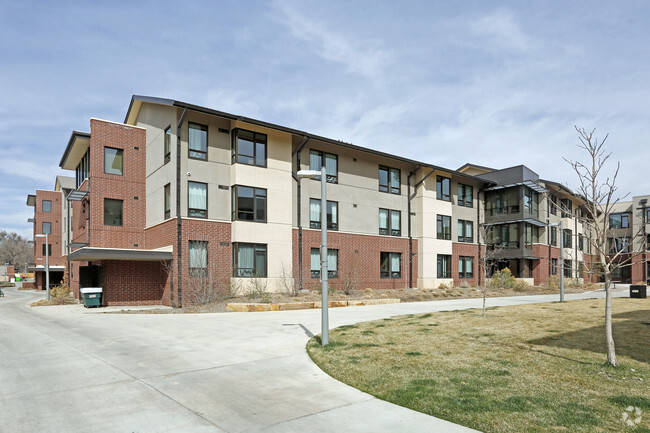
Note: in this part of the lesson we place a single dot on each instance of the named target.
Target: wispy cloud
(501, 30)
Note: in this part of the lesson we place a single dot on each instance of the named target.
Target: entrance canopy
(90, 253)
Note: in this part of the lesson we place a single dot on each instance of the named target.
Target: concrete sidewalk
(64, 369)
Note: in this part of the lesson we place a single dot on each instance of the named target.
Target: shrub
(504, 279)
(444, 286)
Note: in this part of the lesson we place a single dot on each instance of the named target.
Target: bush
(504, 279)
(444, 286)
(60, 292)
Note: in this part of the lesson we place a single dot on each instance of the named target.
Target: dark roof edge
(75, 134)
(297, 132)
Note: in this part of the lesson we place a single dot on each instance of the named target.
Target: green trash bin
(92, 296)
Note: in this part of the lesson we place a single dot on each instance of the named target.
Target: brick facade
(468, 250)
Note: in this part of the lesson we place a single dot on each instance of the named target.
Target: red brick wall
(127, 187)
(133, 283)
(56, 219)
(470, 250)
(358, 252)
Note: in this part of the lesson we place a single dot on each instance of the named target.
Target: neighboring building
(7, 272)
(178, 195)
(629, 233)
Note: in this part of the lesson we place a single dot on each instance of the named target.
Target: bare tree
(15, 250)
(350, 275)
(493, 247)
(599, 191)
(286, 281)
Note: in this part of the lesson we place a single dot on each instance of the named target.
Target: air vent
(224, 244)
(226, 187)
(136, 147)
(136, 197)
(136, 245)
(224, 130)
(354, 205)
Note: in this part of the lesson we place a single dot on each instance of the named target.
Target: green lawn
(529, 368)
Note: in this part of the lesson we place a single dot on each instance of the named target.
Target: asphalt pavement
(71, 369)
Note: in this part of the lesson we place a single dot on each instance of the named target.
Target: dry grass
(54, 301)
(530, 368)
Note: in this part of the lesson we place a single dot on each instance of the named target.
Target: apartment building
(178, 193)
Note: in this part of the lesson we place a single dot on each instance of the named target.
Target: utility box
(638, 291)
(92, 296)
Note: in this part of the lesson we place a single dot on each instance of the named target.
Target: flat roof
(93, 253)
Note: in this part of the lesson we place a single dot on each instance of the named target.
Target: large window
(568, 264)
(389, 180)
(197, 199)
(332, 263)
(552, 205)
(465, 267)
(465, 195)
(444, 227)
(113, 160)
(47, 251)
(47, 206)
(531, 205)
(619, 220)
(167, 148)
(443, 188)
(567, 236)
(581, 242)
(248, 147)
(390, 222)
(112, 212)
(502, 202)
(198, 258)
(391, 265)
(617, 245)
(465, 231)
(444, 266)
(504, 236)
(197, 141)
(331, 164)
(531, 235)
(249, 260)
(168, 199)
(248, 203)
(553, 266)
(332, 214)
(82, 170)
(622, 273)
(47, 228)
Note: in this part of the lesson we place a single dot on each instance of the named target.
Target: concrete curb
(285, 306)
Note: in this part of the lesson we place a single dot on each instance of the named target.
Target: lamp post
(323, 248)
(47, 263)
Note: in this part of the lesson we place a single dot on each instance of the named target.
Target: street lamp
(323, 248)
(47, 262)
(561, 257)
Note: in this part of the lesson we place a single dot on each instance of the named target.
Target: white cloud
(502, 29)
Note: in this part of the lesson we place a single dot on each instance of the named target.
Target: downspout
(296, 152)
(179, 222)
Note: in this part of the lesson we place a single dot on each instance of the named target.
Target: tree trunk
(484, 287)
(609, 337)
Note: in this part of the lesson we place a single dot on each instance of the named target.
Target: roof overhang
(92, 253)
(31, 200)
(529, 183)
(41, 268)
(76, 149)
(76, 195)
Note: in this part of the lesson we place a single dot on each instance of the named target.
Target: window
(444, 227)
(504, 236)
(552, 205)
(444, 266)
(197, 141)
(197, 199)
(647, 244)
(47, 228)
(332, 214)
(391, 265)
(112, 212)
(619, 245)
(390, 222)
(331, 164)
(168, 204)
(530, 235)
(553, 240)
(168, 144)
(502, 202)
(332, 263)
(198, 258)
(567, 268)
(621, 273)
(47, 206)
(249, 260)
(49, 250)
(581, 242)
(465, 267)
(389, 180)
(530, 202)
(82, 170)
(465, 195)
(442, 188)
(112, 161)
(248, 203)
(567, 207)
(553, 266)
(248, 147)
(465, 231)
(567, 236)
(619, 220)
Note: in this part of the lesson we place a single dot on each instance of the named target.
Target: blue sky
(494, 83)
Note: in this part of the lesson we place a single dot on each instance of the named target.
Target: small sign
(92, 296)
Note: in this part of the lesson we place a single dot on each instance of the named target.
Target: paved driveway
(67, 369)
